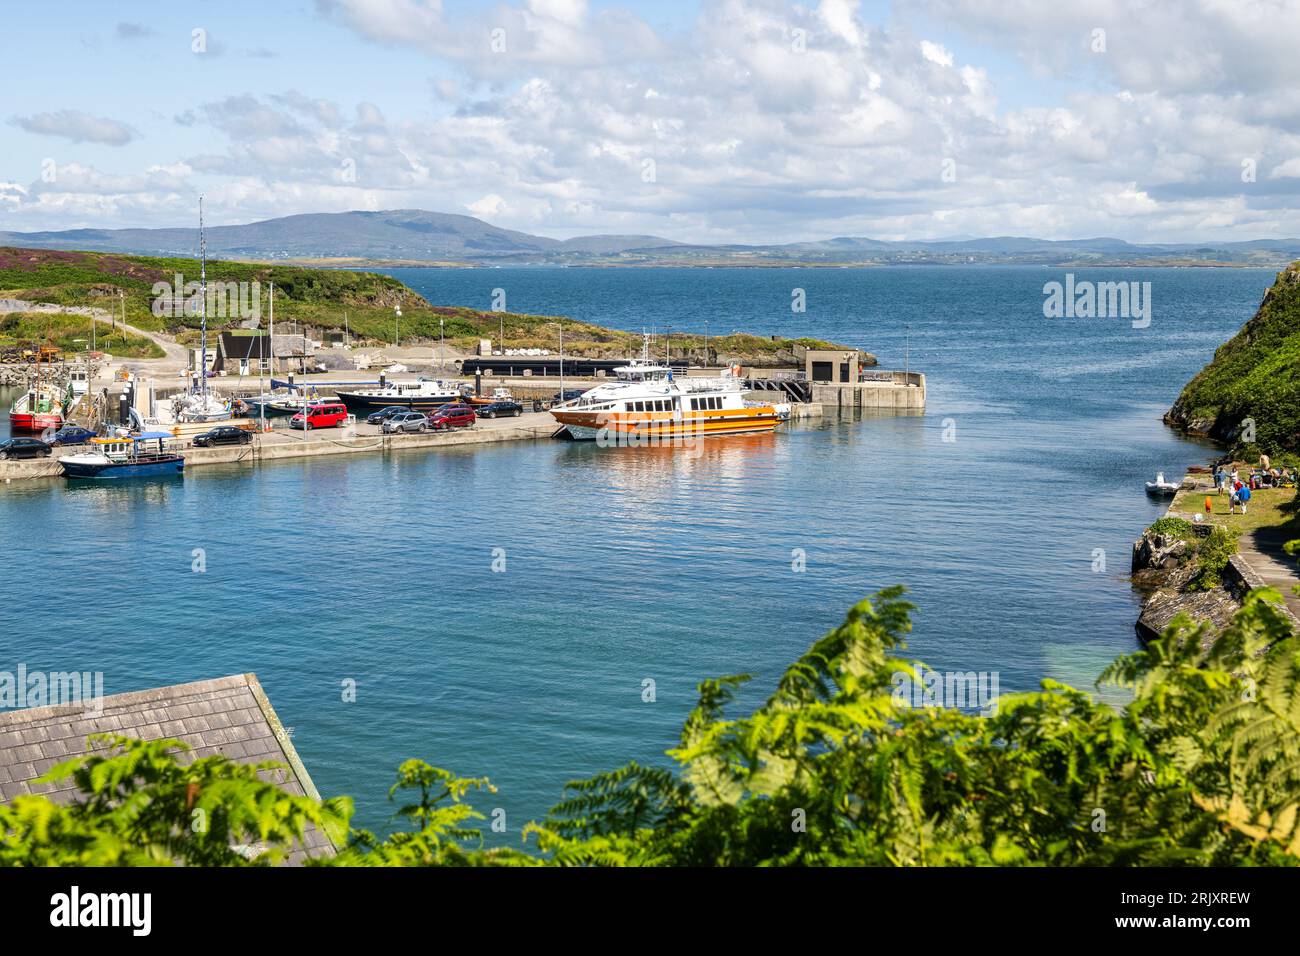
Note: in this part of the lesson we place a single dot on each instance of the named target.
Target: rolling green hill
(69, 333)
(1254, 378)
(327, 300)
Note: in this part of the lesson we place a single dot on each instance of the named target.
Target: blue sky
(734, 120)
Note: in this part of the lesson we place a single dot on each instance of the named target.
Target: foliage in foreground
(1201, 768)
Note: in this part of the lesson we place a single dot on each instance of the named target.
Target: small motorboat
(1161, 488)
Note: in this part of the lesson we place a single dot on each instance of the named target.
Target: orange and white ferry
(646, 405)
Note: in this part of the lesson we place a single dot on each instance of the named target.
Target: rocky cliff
(1249, 395)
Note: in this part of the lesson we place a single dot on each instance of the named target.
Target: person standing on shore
(1219, 479)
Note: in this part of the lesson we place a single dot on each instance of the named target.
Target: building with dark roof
(252, 354)
(230, 716)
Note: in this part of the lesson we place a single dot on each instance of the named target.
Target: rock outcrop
(1250, 391)
(1164, 566)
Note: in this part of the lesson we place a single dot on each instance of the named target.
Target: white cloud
(1287, 170)
(490, 206)
(936, 53)
(77, 126)
(754, 137)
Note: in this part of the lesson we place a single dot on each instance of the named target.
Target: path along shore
(1260, 560)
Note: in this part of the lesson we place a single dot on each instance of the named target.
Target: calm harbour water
(627, 564)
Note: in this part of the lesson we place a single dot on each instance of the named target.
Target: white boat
(292, 405)
(647, 404)
(200, 407)
(1161, 487)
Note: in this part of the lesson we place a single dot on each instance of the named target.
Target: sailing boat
(201, 405)
(260, 406)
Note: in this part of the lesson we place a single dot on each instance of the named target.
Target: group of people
(1237, 490)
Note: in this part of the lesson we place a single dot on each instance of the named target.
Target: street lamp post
(442, 347)
(560, 326)
(397, 314)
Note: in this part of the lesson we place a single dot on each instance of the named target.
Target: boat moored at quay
(125, 457)
(646, 403)
(38, 408)
(422, 395)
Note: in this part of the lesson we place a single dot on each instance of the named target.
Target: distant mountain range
(416, 236)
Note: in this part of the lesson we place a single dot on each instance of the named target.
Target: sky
(716, 121)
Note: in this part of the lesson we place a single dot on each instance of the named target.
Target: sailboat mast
(203, 323)
(270, 340)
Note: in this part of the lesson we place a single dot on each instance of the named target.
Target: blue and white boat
(129, 457)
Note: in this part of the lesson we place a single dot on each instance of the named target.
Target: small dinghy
(1162, 488)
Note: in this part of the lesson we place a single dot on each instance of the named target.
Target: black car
(501, 410)
(24, 448)
(384, 414)
(223, 435)
(568, 395)
(71, 435)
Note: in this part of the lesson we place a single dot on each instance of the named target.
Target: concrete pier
(900, 391)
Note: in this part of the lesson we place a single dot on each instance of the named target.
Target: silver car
(405, 422)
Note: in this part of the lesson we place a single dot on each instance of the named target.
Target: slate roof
(227, 715)
(244, 346)
(236, 347)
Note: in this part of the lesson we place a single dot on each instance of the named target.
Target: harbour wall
(899, 391)
(315, 446)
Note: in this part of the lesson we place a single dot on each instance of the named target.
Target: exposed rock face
(1161, 565)
(1217, 605)
(1158, 552)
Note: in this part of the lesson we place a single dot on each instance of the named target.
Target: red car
(322, 415)
(452, 416)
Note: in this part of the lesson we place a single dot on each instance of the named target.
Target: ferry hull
(631, 428)
(113, 471)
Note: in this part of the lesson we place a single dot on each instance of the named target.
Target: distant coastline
(417, 238)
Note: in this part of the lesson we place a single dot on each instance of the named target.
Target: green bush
(1212, 554)
(1180, 529)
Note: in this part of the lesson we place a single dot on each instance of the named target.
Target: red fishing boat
(42, 405)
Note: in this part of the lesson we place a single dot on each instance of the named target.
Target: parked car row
(440, 419)
(43, 448)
